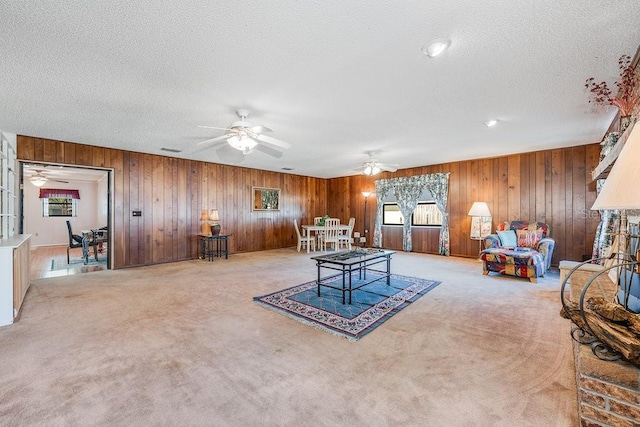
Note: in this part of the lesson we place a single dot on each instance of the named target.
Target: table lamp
(621, 191)
(215, 225)
(204, 218)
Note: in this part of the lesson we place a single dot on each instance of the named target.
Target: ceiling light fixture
(371, 168)
(436, 47)
(491, 123)
(242, 142)
(38, 180)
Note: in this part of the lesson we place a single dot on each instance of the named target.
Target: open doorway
(54, 195)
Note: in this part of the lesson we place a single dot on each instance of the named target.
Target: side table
(214, 246)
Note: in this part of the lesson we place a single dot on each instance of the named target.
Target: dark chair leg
(67, 254)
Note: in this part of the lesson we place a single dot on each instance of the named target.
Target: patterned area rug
(371, 305)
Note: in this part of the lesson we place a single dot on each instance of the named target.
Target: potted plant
(627, 94)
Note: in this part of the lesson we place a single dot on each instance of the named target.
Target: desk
(214, 246)
(348, 262)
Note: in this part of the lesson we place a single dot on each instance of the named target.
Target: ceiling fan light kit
(38, 181)
(242, 142)
(371, 168)
(374, 167)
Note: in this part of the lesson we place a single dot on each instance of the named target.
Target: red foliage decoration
(628, 85)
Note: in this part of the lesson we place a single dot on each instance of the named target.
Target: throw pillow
(528, 238)
(508, 238)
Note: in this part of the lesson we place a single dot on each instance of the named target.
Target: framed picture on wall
(265, 199)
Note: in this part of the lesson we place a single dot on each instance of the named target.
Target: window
(391, 214)
(59, 206)
(425, 214)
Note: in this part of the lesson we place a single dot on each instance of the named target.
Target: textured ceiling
(334, 78)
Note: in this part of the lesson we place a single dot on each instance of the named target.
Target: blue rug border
(334, 331)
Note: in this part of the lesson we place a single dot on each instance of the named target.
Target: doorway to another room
(52, 195)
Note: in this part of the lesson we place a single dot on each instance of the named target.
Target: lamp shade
(621, 189)
(479, 209)
(213, 215)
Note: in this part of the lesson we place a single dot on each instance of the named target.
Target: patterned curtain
(438, 185)
(383, 187)
(407, 191)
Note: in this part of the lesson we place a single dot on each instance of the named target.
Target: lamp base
(215, 229)
(205, 229)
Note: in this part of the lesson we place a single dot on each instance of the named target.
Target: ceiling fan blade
(259, 129)
(388, 168)
(268, 150)
(273, 141)
(218, 138)
(213, 127)
(57, 180)
(227, 153)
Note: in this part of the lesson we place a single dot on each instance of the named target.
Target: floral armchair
(518, 249)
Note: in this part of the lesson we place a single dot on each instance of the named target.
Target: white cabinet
(14, 275)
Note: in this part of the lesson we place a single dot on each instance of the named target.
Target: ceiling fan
(373, 166)
(245, 137)
(39, 179)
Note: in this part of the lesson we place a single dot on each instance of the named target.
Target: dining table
(307, 229)
(88, 237)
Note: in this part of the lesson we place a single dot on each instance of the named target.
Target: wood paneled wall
(171, 194)
(552, 186)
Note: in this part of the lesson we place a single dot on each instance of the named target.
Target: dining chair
(346, 238)
(331, 233)
(307, 240)
(318, 234)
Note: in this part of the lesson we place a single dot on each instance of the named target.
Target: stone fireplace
(608, 391)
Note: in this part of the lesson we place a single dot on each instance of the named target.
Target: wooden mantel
(604, 167)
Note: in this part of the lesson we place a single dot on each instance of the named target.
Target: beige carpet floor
(184, 344)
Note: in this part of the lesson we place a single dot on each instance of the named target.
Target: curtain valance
(45, 193)
(407, 191)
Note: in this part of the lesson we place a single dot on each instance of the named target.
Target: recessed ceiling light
(491, 123)
(436, 47)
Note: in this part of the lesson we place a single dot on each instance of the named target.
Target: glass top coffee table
(349, 262)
